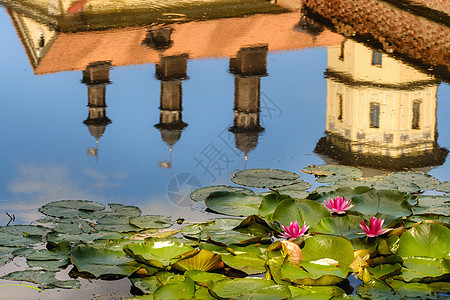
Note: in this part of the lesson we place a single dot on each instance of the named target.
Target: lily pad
(100, 262)
(9, 239)
(233, 204)
(238, 287)
(157, 253)
(70, 208)
(73, 226)
(202, 277)
(411, 290)
(264, 178)
(147, 285)
(315, 292)
(315, 275)
(322, 246)
(182, 290)
(308, 211)
(444, 187)
(424, 181)
(123, 210)
(250, 263)
(344, 226)
(417, 268)
(385, 270)
(152, 221)
(429, 239)
(203, 260)
(200, 195)
(48, 265)
(54, 238)
(382, 202)
(377, 290)
(332, 173)
(43, 278)
(117, 223)
(269, 203)
(436, 205)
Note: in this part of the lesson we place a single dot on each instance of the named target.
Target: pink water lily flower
(338, 205)
(374, 227)
(293, 231)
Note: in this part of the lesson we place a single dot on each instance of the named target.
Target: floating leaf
(343, 225)
(123, 210)
(8, 239)
(202, 277)
(385, 270)
(157, 253)
(417, 268)
(332, 173)
(291, 210)
(182, 290)
(116, 223)
(269, 203)
(100, 262)
(382, 202)
(54, 238)
(233, 204)
(315, 292)
(429, 239)
(203, 260)
(152, 221)
(73, 226)
(48, 265)
(147, 285)
(201, 194)
(235, 288)
(249, 263)
(437, 205)
(43, 278)
(444, 187)
(376, 289)
(424, 181)
(411, 290)
(321, 275)
(322, 246)
(264, 178)
(70, 208)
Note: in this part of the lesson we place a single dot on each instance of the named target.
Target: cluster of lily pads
(383, 235)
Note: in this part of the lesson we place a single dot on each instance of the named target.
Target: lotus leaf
(181, 290)
(26, 230)
(437, 205)
(8, 239)
(43, 278)
(233, 204)
(73, 226)
(308, 211)
(403, 179)
(315, 292)
(202, 277)
(166, 277)
(203, 261)
(444, 187)
(383, 202)
(123, 210)
(344, 226)
(269, 203)
(264, 178)
(341, 191)
(48, 265)
(429, 239)
(153, 221)
(54, 238)
(411, 290)
(249, 263)
(201, 194)
(100, 262)
(323, 246)
(157, 253)
(376, 289)
(70, 208)
(117, 223)
(332, 173)
(423, 267)
(147, 285)
(61, 251)
(234, 288)
(321, 275)
(385, 270)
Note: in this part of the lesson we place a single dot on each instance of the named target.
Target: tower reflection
(381, 113)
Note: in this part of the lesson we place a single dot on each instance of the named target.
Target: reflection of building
(96, 77)
(380, 112)
(171, 70)
(417, 35)
(248, 67)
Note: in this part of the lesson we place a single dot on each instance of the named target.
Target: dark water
(120, 115)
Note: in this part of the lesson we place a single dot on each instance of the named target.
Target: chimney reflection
(249, 65)
(96, 77)
(381, 113)
(171, 71)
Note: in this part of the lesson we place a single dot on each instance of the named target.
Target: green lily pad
(429, 239)
(424, 181)
(147, 285)
(100, 262)
(376, 182)
(6, 254)
(444, 187)
(60, 252)
(374, 202)
(8, 239)
(152, 221)
(332, 173)
(417, 268)
(385, 270)
(269, 203)
(70, 208)
(117, 223)
(26, 230)
(308, 211)
(73, 226)
(264, 178)
(377, 290)
(348, 192)
(315, 275)
(202, 277)
(233, 204)
(157, 253)
(166, 277)
(43, 278)
(54, 238)
(123, 210)
(238, 287)
(436, 205)
(181, 290)
(295, 190)
(322, 246)
(315, 292)
(411, 290)
(48, 265)
(343, 225)
(200, 195)
(250, 263)
(203, 260)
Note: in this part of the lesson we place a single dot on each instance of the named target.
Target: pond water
(142, 109)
